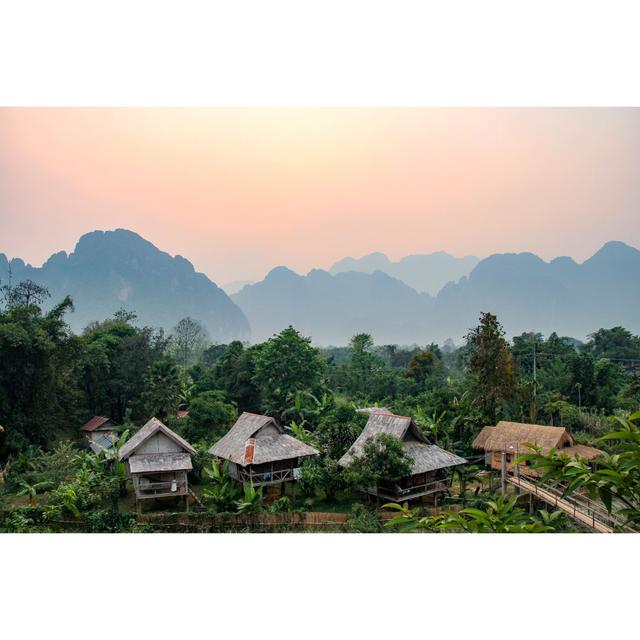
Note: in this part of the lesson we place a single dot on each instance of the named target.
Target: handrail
(419, 488)
(582, 505)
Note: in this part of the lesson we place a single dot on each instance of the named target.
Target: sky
(240, 191)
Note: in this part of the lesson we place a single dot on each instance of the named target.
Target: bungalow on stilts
(259, 451)
(431, 464)
(158, 460)
(510, 440)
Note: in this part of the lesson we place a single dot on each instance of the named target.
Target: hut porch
(266, 473)
(160, 485)
(413, 487)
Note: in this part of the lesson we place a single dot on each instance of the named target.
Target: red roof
(182, 413)
(94, 423)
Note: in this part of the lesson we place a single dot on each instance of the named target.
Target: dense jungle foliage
(52, 381)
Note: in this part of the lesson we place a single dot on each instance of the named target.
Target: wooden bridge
(579, 508)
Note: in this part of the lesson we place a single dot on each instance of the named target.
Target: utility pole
(535, 382)
(503, 473)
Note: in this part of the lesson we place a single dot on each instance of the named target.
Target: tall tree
(189, 338)
(38, 365)
(286, 364)
(116, 361)
(24, 294)
(491, 364)
(382, 460)
(163, 388)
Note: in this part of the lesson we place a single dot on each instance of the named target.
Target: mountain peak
(615, 248)
(121, 238)
(109, 270)
(281, 273)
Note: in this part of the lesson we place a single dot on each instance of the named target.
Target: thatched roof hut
(150, 430)
(509, 436)
(158, 460)
(426, 456)
(260, 451)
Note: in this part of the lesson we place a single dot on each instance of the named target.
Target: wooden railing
(401, 493)
(151, 489)
(265, 477)
(581, 508)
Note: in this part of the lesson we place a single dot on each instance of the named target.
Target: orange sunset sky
(239, 191)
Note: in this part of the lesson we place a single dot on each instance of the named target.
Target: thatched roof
(582, 451)
(152, 462)
(429, 457)
(244, 443)
(514, 435)
(152, 427)
(425, 456)
(371, 410)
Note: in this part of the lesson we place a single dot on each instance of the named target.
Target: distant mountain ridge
(331, 308)
(525, 292)
(109, 270)
(119, 269)
(426, 273)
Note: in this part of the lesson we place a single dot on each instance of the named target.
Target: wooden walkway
(581, 511)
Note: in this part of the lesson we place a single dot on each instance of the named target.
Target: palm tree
(467, 474)
(163, 392)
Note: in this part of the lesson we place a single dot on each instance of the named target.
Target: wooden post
(503, 473)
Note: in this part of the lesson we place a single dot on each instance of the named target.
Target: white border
(318, 53)
(295, 52)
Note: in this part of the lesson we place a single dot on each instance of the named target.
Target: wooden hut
(430, 463)
(260, 452)
(100, 433)
(158, 461)
(511, 439)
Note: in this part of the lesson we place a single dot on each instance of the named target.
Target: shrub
(363, 520)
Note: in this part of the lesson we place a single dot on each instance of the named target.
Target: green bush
(363, 520)
(281, 505)
(109, 521)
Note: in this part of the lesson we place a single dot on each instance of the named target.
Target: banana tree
(223, 492)
(31, 490)
(251, 501)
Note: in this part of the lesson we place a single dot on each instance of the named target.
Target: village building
(511, 439)
(100, 433)
(431, 464)
(158, 461)
(260, 452)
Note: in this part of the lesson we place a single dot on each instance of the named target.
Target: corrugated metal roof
(94, 423)
(102, 443)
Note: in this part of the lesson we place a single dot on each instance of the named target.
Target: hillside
(525, 292)
(333, 308)
(109, 270)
